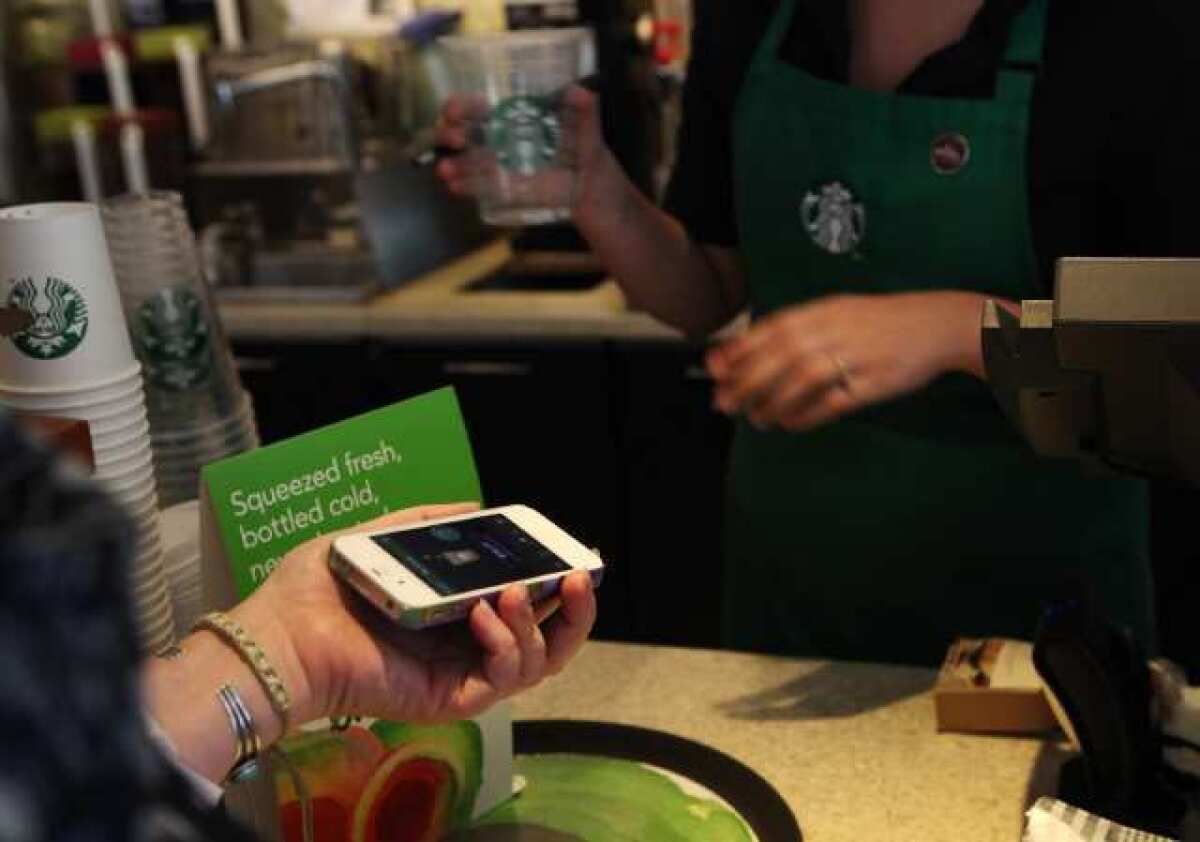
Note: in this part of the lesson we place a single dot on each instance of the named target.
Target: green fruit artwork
(600, 799)
(329, 769)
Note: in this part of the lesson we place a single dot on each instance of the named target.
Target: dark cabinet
(614, 441)
(674, 451)
(300, 386)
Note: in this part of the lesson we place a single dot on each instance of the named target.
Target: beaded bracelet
(249, 651)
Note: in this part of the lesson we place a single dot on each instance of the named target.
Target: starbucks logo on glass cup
(525, 133)
(59, 313)
(172, 337)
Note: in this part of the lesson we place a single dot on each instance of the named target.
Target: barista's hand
(601, 185)
(807, 365)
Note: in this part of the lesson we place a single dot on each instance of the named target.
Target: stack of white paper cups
(180, 526)
(73, 360)
(198, 410)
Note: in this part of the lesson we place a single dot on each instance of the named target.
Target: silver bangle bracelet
(241, 723)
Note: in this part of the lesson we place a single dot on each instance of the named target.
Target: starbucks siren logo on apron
(173, 340)
(525, 133)
(835, 221)
(60, 317)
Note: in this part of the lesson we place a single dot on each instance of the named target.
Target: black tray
(748, 793)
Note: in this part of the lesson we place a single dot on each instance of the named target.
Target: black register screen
(470, 555)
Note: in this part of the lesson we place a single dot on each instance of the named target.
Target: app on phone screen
(470, 555)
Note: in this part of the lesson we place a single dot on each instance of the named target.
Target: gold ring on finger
(843, 371)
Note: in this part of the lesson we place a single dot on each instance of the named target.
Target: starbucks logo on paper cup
(173, 340)
(525, 133)
(60, 317)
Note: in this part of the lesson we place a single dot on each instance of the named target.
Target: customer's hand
(600, 183)
(339, 656)
(806, 365)
(355, 661)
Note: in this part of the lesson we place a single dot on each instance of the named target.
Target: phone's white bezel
(402, 592)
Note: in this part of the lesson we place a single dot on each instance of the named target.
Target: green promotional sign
(269, 500)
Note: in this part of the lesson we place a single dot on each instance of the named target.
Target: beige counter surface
(851, 747)
(434, 307)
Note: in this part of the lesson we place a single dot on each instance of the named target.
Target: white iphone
(434, 571)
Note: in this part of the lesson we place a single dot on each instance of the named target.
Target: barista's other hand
(600, 181)
(806, 365)
(349, 659)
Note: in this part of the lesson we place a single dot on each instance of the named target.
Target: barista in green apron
(887, 533)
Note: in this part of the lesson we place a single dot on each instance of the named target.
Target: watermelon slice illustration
(330, 769)
(424, 787)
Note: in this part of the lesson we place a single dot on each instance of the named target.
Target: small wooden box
(990, 686)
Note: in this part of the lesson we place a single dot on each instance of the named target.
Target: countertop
(851, 747)
(434, 307)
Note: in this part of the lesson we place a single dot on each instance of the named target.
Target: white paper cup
(108, 456)
(96, 411)
(120, 470)
(142, 509)
(79, 394)
(131, 472)
(158, 641)
(111, 424)
(150, 590)
(148, 580)
(156, 614)
(147, 566)
(136, 431)
(158, 632)
(53, 400)
(149, 542)
(148, 548)
(147, 575)
(54, 264)
(148, 596)
(131, 492)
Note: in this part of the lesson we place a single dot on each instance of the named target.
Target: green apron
(888, 533)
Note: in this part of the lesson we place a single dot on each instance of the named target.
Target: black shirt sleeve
(700, 193)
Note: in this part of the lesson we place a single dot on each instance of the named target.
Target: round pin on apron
(835, 220)
(949, 153)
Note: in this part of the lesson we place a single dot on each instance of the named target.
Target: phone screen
(470, 555)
